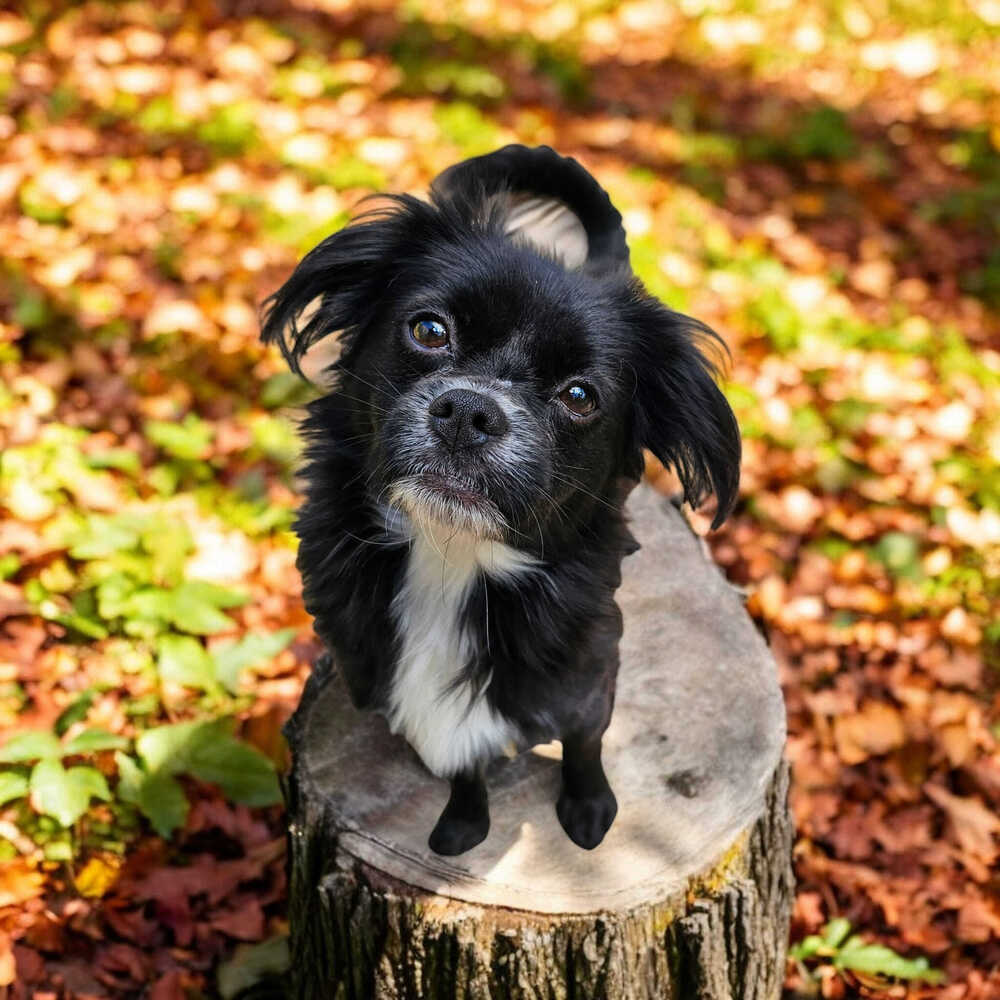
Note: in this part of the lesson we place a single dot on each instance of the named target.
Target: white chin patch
(548, 225)
(431, 510)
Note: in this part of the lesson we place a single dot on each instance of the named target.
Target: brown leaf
(972, 823)
(978, 920)
(957, 743)
(30, 965)
(245, 922)
(119, 961)
(8, 964)
(876, 729)
(169, 986)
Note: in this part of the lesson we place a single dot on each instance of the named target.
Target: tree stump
(687, 898)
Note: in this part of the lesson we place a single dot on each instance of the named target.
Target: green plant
(836, 947)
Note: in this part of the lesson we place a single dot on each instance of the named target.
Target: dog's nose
(462, 418)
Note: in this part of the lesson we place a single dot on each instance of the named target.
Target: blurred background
(818, 180)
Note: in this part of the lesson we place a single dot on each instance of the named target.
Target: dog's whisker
(586, 492)
(371, 385)
(387, 380)
(363, 401)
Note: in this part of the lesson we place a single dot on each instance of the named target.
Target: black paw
(587, 820)
(457, 834)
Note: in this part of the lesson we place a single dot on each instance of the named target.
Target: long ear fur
(335, 285)
(547, 200)
(682, 416)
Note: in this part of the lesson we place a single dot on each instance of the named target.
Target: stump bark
(687, 898)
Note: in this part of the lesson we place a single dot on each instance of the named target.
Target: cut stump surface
(688, 896)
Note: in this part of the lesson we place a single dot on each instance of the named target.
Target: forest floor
(820, 182)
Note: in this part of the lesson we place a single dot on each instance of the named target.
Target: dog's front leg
(466, 818)
(586, 806)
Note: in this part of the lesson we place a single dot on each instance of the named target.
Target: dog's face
(510, 389)
(497, 379)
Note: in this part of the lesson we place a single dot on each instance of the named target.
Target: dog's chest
(449, 726)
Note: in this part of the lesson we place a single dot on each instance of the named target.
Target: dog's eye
(578, 399)
(429, 332)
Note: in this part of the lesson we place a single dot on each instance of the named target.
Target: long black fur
(545, 644)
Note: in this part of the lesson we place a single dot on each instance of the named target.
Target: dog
(499, 372)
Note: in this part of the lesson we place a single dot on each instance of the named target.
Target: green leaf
(196, 607)
(184, 660)
(243, 773)
(232, 658)
(276, 438)
(158, 796)
(192, 607)
(212, 593)
(148, 603)
(876, 959)
(188, 440)
(199, 618)
(65, 794)
(251, 963)
(92, 740)
(284, 389)
(123, 459)
(58, 850)
(168, 542)
(30, 745)
(113, 594)
(899, 553)
(76, 711)
(12, 786)
(9, 565)
(209, 751)
(166, 748)
(80, 623)
(836, 931)
(807, 947)
(101, 536)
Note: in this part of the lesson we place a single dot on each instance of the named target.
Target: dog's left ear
(681, 416)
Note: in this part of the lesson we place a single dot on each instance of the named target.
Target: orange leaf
(876, 729)
(19, 882)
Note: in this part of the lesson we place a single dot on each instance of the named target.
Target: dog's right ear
(547, 201)
(317, 313)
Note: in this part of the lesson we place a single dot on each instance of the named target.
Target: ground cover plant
(818, 181)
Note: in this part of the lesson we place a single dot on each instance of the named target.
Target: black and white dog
(500, 370)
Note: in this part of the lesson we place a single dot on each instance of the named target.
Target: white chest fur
(448, 727)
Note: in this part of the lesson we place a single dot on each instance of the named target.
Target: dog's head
(501, 365)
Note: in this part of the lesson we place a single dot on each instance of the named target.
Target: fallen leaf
(8, 964)
(244, 922)
(98, 875)
(973, 824)
(19, 882)
(876, 729)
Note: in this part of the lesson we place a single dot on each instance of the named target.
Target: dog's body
(462, 534)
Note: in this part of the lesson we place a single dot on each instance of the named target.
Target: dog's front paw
(587, 820)
(458, 834)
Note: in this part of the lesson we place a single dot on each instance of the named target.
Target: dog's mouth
(448, 500)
